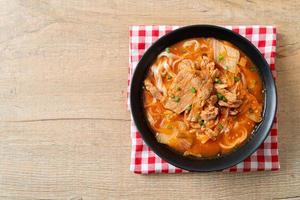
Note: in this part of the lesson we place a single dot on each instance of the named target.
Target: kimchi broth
(203, 97)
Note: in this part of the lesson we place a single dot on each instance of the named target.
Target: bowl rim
(269, 110)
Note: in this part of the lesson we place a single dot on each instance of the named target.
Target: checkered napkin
(143, 159)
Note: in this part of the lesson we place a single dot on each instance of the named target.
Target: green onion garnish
(189, 107)
(218, 81)
(253, 69)
(220, 126)
(220, 57)
(201, 122)
(236, 78)
(193, 90)
(221, 97)
(176, 98)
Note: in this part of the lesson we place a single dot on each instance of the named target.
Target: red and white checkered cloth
(143, 159)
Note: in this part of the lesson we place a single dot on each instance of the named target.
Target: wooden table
(64, 127)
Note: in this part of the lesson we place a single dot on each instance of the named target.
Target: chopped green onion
(169, 77)
(253, 69)
(178, 88)
(189, 107)
(236, 78)
(220, 57)
(176, 98)
(218, 81)
(201, 122)
(169, 126)
(221, 97)
(226, 67)
(168, 50)
(193, 90)
(220, 126)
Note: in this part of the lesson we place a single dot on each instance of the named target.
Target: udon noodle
(203, 97)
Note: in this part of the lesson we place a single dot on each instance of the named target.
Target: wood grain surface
(64, 127)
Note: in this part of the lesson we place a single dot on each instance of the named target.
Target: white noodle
(190, 43)
(157, 75)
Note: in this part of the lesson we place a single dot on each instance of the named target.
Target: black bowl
(186, 162)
